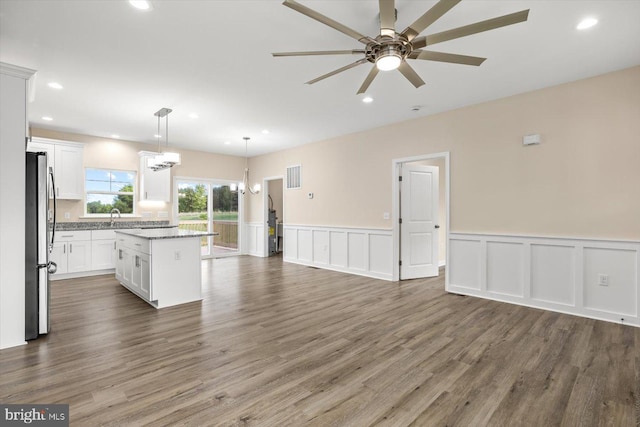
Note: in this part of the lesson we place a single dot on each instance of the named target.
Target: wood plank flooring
(276, 344)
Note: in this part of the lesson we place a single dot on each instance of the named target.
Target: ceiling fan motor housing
(386, 46)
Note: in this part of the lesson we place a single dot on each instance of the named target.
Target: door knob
(436, 226)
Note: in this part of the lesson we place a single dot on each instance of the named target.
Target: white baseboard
(362, 251)
(63, 276)
(557, 274)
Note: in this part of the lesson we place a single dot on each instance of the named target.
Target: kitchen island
(160, 265)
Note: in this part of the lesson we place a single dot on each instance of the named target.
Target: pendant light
(165, 159)
(244, 185)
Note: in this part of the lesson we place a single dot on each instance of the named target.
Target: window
(109, 189)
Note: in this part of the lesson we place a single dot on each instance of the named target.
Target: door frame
(210, 181)
(265, 210)
(395, 207)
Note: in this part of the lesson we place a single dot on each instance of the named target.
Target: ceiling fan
(390, 50)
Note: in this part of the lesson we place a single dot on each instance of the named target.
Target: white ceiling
(119, 65)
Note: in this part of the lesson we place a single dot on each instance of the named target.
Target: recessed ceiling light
(587, 23)
(194, 116)
(227, 143)
(367, 99)
(140, 4)
(55, 85)
(115, 136)
(157, 136)
(265, 131)
(47, 118)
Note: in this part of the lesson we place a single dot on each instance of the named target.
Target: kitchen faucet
(114, 210)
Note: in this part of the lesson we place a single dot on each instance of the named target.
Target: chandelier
(244, 185)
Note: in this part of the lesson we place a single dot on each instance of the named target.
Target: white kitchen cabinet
(154, 185)
(103, 249)
(79, 256)
(141, 275)
(69, 172)
(103, 254)
(164, 265)
(66, 159)
(72, 251)
(59, 256)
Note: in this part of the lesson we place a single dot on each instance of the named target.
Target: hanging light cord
(245, 178)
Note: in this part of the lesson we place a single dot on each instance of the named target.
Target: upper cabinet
(154, 185)
(66, 160)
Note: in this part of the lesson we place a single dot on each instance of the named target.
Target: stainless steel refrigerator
(38, 244)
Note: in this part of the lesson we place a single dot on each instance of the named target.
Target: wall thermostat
(310, 195)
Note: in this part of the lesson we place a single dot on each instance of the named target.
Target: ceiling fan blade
(321, 52)
(478, 27)
(339, 70)
(365, 85)
(446, 57)
(410, 74)
(387, 18)
(430, 16)
(327, 21)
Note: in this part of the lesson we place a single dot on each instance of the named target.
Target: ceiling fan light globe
(388, 62)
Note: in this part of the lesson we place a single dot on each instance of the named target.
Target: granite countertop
(106, 225)
(164, 233)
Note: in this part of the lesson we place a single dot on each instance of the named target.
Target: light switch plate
(386, 215)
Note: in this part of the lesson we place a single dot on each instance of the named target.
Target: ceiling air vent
(294, 177)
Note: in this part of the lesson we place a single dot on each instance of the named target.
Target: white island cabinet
(161, 266)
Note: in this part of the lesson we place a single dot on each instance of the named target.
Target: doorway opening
(421, 213)
(209, 205)
(273, 202)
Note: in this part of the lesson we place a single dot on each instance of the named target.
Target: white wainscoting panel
(366, 252)
(357, 250)
(467, 272)
(305, 245)
(320, 246)
(504, 268)
(559, 274)
(620, 294)
(380, 253)
(290, 236)
(254, 238)
(338, 252)
(552, 274)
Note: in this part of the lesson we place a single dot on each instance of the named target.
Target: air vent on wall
(294, 177)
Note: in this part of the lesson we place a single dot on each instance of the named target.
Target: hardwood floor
(276, 344)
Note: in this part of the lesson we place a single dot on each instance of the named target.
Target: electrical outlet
(178, 255)
(67, 215)
(603, 279)
(386, 215)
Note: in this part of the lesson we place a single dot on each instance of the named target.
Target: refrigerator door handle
(55, 207)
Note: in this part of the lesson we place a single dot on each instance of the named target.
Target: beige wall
(117, 154)
(583, 180)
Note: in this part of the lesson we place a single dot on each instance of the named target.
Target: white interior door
(419, 221)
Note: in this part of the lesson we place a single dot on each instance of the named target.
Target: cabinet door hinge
(400, 178)
(400, 220)
(400, 262)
